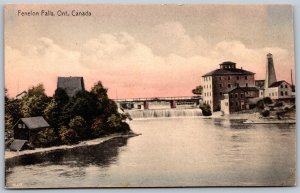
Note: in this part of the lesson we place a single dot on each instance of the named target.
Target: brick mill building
(228, 79)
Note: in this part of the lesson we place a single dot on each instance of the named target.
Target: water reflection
(101, 155)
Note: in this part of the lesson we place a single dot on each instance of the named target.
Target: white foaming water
(157, 113)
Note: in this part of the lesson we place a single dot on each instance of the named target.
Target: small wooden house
(27, 128)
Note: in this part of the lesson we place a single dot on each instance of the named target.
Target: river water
(185, 151)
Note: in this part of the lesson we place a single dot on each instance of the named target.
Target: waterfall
(153, 113)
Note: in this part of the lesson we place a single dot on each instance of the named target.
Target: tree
(61, 97)
(260, 104)
(53, 114)
(35, 102)
(47, 137)
(267, 100)
(198, 90)
(12, 115)
(83, 104)
(206, 110)
(98, 127)
(79, 125)
(68, 136)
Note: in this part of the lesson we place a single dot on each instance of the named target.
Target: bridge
(143, 103)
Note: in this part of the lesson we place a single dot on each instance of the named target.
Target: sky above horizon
(144, 50)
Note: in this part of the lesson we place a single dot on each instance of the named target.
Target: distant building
(223, 80)
(237, 99)
(71, 84)
(27, 128)
(276, 90)
(279, 90)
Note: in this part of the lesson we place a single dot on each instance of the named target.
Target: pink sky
(144, 51)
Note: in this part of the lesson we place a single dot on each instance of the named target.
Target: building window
(285, 86)
(281, 93)
(220, 78)
(221, 94)
(209, 93)
(281, 86)
(237, 103)
(226, 104)
(246, 77)
(286, 93)
(231, 103)
(220, 85)
(229, 85)
(19, 126)
(231, 95)
(242, 95)
(228, 77)
(236, 95)
(246, 84)
(272, 94)
(238, 78)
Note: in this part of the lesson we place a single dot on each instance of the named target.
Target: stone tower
(270, 71)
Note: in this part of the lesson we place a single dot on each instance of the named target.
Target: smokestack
(270, 71)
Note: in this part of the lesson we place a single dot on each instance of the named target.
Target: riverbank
(12, 154)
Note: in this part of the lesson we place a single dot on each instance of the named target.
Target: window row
(207, 101)
(207, 94)
(206, 86)
(206, 78)
(231, 77)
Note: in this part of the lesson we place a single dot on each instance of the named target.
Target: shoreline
(13, 154)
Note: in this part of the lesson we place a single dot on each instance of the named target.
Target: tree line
(87, 115)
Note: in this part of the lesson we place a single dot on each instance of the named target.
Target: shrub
(46, 138)
(265, 113)
(267, 100)
(68, 136)
(78, 124)
(260, 104)
(206, 111)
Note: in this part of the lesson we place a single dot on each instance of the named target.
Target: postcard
(171, 95)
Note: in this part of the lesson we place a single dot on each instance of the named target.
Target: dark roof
(70, 84)
(245, 89)
(17, 144)
(20, 94)
(231, 71)
(278, 83)
(35, 122)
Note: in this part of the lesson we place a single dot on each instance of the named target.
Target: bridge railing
(158, 99)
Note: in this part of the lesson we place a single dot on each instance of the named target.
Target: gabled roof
(35, 122)
(278, 83)
(70, 84)
(245, 89)
(17, 144)
(232, 71)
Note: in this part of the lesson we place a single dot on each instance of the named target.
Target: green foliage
(98, 128)
(35, 102)
(52, 113)
(68, 136)
(12, 115)
(267, 100)
(46, 137)
(206, 110)
(198, 90)
(260, 104)
(79, 125)
(265, 113)
(61, 97)
(83, 104)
